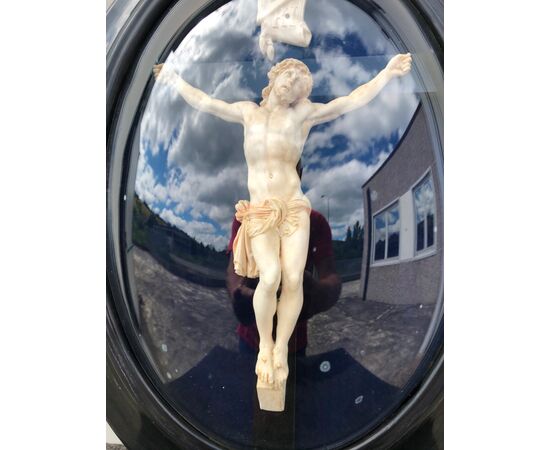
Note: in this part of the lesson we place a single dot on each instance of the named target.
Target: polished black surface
(174, 381)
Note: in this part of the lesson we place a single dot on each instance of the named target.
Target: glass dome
(371, 324)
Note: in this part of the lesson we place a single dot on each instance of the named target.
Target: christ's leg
(293, 260)
(265, 249)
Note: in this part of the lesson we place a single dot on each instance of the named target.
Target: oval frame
(135, 409)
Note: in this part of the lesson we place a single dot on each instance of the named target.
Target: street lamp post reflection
(328, 206)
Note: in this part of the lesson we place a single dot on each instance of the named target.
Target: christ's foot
(280, 365)
(264, 366)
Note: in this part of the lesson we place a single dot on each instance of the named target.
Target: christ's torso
(273, 143)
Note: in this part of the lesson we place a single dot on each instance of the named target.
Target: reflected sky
(191, 168)
(393, 220)
(386, 226)
(424, 199)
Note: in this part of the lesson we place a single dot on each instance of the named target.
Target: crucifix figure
(272, 242)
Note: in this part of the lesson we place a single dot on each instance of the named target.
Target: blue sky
(191, 169)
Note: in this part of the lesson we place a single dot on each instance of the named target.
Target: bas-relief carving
(283, 21)
(274, 235)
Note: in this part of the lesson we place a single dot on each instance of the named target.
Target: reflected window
(424, 206)
(386, 233)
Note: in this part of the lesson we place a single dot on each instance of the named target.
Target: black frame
(135, 409)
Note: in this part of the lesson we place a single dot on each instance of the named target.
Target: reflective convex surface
(373, 276)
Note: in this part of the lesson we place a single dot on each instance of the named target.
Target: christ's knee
(293, 281)
(270, 280)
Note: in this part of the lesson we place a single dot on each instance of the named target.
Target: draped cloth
(257, 219)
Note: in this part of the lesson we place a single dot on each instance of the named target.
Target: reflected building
(403, 249)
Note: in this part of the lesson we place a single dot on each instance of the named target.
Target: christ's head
(290, 80)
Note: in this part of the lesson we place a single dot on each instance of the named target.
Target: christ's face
(290, 86)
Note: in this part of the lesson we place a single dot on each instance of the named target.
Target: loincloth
(257, 219)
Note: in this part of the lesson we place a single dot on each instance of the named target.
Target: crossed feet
(272, 365)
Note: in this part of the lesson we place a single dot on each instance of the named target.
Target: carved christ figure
(282, 20)
(274, 234)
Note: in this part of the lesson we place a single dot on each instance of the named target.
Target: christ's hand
(164, 75)
(399, 65)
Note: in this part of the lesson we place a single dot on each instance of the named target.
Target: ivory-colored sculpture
(272, 241)
(282, 20)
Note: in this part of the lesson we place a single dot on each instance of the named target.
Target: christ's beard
(284, 97)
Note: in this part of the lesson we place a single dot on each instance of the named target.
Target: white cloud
(206, 171)
(389, 112)
(341, 18)
(201, 231)
(210, 61)
(424, 200)
(147, 186)
(341, 187)
(216, 241)
(209, 195)
(394, 228)
(340, 72)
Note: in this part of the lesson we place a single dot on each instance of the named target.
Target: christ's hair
(279, 68)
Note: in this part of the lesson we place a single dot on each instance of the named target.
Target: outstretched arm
(231, 112)
(398, 66)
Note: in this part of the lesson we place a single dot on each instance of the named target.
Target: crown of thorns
(279, 68)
